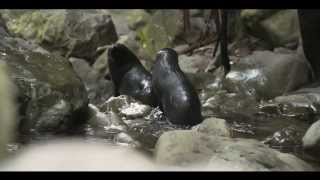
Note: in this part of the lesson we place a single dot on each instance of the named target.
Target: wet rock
(214, 126)
(265, 74)
(124, 138)
(303, 104)
(116, 103)
(277, 27)
(138, 121)
(76, 33)
(288, 139)
(311, 140)
(51, 98)
(223, 102)
(107, 126)
(135, 110)
(188, 148)
(8, 121)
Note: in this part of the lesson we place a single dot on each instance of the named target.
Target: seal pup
(129, 76)
(177, 97)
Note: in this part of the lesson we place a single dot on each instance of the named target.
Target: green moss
(39, 26)
(160, 32)
(137, 19)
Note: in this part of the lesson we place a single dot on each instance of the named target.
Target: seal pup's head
(167, 57)
(120, 55)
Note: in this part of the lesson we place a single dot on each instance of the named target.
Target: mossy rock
(76, 33)
(276, 27)
(161, 31)
(51, 97)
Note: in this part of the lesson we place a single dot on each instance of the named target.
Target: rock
(101, 63)
(277, 27)
(135, 110)
(137, 19)
(201, 79)
(127, 24)
(76, 33)
(99, 89)
(282, 28)
(311, 140)
(108, 126)
(193, 64)
(51, 97)
(253, 16)
(302, 104)
(287, 139)
(214, 126)
(161, 31)
(265, 74)
(125, 21)
(214, 153)
(222, 102)
(124, 138)
(8, 121)
(116, 103)
(196, 12)
(78, 155)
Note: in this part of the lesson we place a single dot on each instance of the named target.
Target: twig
(197, 45)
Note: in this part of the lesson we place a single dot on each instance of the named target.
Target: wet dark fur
(178, 98)
(129, 76)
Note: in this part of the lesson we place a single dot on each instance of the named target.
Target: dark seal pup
(129, 76)
(179, 100)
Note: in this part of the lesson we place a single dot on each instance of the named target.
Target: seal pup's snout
(167, 55)
(167, 51)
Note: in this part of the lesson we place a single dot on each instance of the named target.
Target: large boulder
(265, 74)
(7, 110)
(215, 153)
(51, 97)
(161, 31)
(277, 27)
(76, 33)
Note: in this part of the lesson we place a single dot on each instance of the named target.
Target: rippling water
(142, 133)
